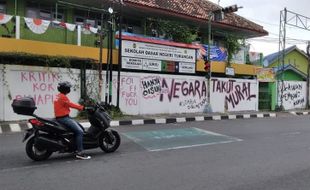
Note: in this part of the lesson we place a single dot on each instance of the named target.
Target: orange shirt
(62, 105)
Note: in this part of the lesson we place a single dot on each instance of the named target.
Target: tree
(233, 45)
(174, 30)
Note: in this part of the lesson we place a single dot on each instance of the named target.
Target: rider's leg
(74, 126)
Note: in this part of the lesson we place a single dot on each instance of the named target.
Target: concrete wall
(1, 94)
(157, 93)
(233, 94)
(140, 93)
(39, 83)
(294, 94)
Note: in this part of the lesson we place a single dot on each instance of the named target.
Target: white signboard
(187, 67)
(151, 65)
(294, 94)
(132, 63)
(233, 95)
(158, 52)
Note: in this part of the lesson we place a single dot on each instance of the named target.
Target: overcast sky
(267, 14)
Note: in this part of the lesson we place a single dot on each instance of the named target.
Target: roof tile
(198, 9)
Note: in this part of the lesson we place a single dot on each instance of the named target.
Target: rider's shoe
(81, 155)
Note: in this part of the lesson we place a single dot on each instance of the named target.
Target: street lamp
(217, 16)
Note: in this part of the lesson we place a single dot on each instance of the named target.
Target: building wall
(37, 82)
(296, 59)
(1, 93)
(143, 93)
(53, 34)
(233, 95)
(292, 94)
(140, 93)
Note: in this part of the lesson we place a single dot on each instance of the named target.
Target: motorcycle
(48, 136)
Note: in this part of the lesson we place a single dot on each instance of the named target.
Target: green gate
(264, 96)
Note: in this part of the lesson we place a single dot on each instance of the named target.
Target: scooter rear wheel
(36, 153)
(110, 141)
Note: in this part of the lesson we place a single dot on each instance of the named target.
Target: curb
(19, 127)
(300, 113)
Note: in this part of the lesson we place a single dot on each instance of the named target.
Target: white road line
(199, 118)
(160, 121)
(0, 129)
(181, 119)
(138, 122)
(232, 117)
(216, 117)
(15, 128)
(260, 115)
(273, 115)
(189, 146)
(246, 116)
(114, 123)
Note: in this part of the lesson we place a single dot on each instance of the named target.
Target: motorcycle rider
(62, 105)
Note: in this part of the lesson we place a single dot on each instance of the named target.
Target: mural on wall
(140, 93)
(233, 94)
(40, 83)
(155, 93)
(293, 95)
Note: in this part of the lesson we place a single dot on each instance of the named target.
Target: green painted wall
(288, 76)
(53, 34)
(273, 90)
(296, 59)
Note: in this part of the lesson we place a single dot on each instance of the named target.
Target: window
(91, 22)
(60, 16)
(45, 15)
(2, 7)
(32, 13)
(79, 20)
(42, 11)
(134, 26)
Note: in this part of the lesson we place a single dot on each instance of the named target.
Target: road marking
(15, 128)
(138, 122)
(169, 139)
(292, 133)
(181, 120)
(199, 118)
(246, 116)
(114, 123)
(232, 117)
(160, 121)
(23, 168)
(216, 117)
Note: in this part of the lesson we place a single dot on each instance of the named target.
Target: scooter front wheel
(109, 141)
(36, 153)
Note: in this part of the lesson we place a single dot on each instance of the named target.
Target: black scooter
(48, 136)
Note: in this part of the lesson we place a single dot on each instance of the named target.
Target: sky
(267, 14)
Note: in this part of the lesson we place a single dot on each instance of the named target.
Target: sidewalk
(18, 126)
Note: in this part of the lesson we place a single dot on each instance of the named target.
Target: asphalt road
(270, 154)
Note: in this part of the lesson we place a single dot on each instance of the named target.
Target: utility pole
(119, 51)
(308, 74)
(216, 15)
(299, 21)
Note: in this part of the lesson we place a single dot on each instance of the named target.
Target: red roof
(198, 9)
